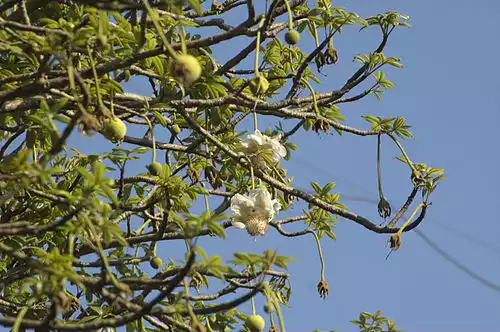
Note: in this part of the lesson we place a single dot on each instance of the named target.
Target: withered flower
(89, 124)
(213, 176)
(395, 241)
(217, 6)
(384, 208)
(321, 125)
(193, 175)
(323, 289)
(331, 55)
(273, 328)
(320, 60)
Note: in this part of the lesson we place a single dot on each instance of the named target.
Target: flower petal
(250, 145)
(238, 224)
(276, 208)
(256, 138)
(276, 205)
(241, 205)
(262, 199)
(281, 150)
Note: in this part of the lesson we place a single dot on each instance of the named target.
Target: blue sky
(449, 91)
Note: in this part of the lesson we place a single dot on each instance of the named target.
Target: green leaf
(317, 188)
(131, 326)
(195, 4)
(372, 119)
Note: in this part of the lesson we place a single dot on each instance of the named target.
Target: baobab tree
(79, 230)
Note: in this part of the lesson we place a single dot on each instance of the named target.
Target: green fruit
(155, 168)
(126, 75)
(268, 308)
(255, 323)
(156, 262)
(176, 129)
(114, 129)
(259, 85)
(292, 37)
(186, 69)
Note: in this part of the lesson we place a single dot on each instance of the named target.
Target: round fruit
(259, 85)
(155, 168)
(268, 308)
(186, 69)
(176, 129)
(126, 75)
(292, 37)
(114, 129)
(156, 262)
(255, 323)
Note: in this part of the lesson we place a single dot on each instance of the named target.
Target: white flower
(255, 211)
(256, 142)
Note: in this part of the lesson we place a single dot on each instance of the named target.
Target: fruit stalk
(410, 163)
(313, 95)
(257, 48)
(318, 244)
(153, 16)
(290, 17)
(379, 176)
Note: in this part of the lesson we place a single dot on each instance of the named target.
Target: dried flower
(217, 6)
(273, 328)
(193, 175)
(323, 289)
(395, 241)
(320, 60)
(321, 125)
(89, 124)
(212, 175)
(331, 55)
(384, 208)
